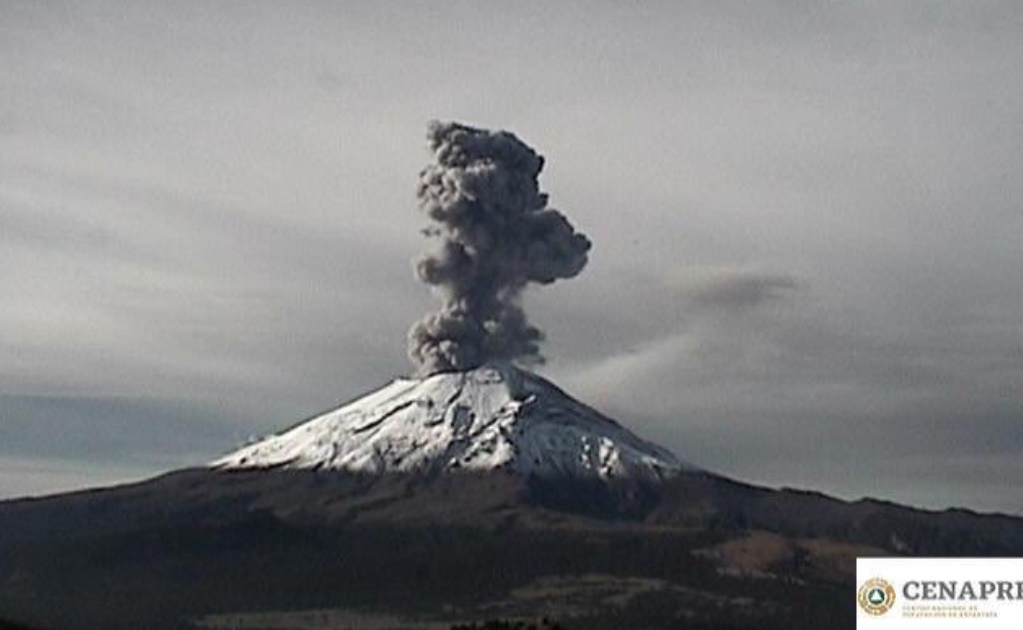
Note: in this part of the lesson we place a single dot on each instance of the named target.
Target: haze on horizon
(805, 218)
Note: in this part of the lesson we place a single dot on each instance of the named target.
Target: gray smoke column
(495, 235)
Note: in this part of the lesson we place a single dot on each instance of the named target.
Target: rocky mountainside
(458, 498)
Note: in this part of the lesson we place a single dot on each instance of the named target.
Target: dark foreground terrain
(277, 549)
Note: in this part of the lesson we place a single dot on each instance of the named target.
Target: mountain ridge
(363, 509)
(167, 551)
(491, 417)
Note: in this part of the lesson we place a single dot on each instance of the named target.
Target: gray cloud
(795, 381)
(36, 476)
(738, 290)
(130, 431)
(806, 221)
(54, 443)
(497, 235)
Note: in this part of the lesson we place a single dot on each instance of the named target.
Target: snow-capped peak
(493, 417)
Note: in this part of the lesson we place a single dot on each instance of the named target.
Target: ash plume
(496, 235)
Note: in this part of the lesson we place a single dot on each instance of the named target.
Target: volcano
(461, 497)
(495, 417)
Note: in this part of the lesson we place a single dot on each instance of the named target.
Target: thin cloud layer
(805, 220)
(789, 379)
(736, 290)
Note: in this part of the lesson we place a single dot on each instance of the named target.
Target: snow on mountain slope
(494, 417)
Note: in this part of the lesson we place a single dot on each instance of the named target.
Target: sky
(806, 222)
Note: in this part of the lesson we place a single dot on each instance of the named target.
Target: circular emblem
(876, 596)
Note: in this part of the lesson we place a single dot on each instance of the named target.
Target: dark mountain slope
(200, 542)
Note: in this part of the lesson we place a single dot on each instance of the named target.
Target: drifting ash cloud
(496, 235)
(736, 290)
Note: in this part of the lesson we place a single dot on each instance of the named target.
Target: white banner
(936, 593)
